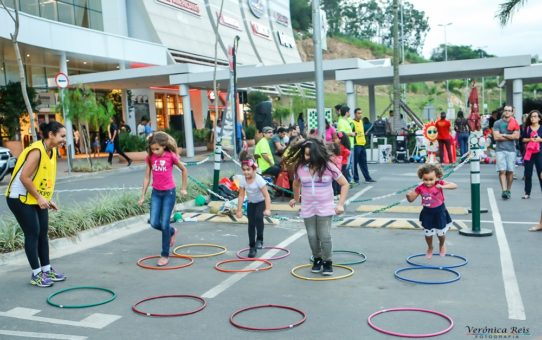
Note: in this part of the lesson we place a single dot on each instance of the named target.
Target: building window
(96, 20)
(82, 16)
(30, 7)
(65, 13)
(161, 115)
(48, 10)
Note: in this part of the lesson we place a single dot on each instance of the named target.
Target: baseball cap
(267, 129)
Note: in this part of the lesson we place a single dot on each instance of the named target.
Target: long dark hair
(528, 121)
(319, 156)
(52, 126)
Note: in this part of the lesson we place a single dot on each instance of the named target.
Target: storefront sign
(228, 21)
(260, 30)
(257, 7)
(185, 5)
(281, 19)
(285, 40)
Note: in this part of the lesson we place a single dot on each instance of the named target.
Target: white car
(7, 162)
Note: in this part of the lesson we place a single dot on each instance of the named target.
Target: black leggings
(535, 162)
(255, 222)
(119, 151)
(34, 222)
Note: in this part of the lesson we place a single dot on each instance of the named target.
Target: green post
(218, 160)
(475, 197)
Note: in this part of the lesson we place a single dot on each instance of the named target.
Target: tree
(12, 106)
(22, 76)
(360, 19)
(86, 111)
(255, 98)
(334, 14)
(300, 14)
(507, 9)
(415, 26)
(458, 52)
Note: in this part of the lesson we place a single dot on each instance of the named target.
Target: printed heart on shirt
(162, 162)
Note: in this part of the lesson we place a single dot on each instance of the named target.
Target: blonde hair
(164, 140)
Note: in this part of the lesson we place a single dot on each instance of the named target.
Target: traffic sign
(61, 80)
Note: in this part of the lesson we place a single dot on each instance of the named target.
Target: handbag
(110, 147)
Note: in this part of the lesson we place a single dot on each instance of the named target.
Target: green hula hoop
(49, 299)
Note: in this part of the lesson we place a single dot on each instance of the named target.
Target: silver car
(7, 162)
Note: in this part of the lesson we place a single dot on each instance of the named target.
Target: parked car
(7, 162)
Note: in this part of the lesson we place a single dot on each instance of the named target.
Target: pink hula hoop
(410, 335)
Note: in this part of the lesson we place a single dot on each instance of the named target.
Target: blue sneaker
(55, 276)
(41, 280)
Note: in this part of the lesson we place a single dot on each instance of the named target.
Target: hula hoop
(200, 245)
(330, 278)
(457, 275)
(297, 323)
(271, 258)
(465, 261)
(50, 298)
(363, 257)
(194, 297)
(410, 335)
(146, 266)
(269, 266)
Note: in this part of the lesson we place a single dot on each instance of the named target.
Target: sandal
(526, 197)
(535, 228)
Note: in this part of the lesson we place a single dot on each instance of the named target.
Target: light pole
(446, 58)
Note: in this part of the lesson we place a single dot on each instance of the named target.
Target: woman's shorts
(435, 220)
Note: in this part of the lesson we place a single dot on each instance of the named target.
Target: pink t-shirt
(162, 170)
(316, 192)
(431, 197)
(329, 134)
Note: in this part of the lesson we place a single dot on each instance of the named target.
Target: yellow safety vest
(360, 132)
(44, 178)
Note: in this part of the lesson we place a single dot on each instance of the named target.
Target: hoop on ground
(410, 335)
(269, 266)
(436, 255)
(457, 275)
(50, 298)
(362, 255)
(287, 252)
(200, 245)
(297, 323)
(328, 278)
(194, 297)
(146, 266)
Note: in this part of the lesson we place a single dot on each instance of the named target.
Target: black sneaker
(328, 268)
(370, 181)
(259, 244)
(252, 253)
(129, 162)
(503, 195)
(316, 265)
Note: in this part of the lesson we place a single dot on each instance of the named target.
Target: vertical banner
(312, 117)
(323, 30)
(226, 130)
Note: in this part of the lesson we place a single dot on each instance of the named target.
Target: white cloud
(474, 23)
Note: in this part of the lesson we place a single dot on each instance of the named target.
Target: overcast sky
(474, 23)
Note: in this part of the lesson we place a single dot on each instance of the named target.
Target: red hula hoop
(142, 265)
(410, 335)
(299, 311)
(203, 305)
(271, 258)
(269, 266)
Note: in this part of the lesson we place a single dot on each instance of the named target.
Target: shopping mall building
(80, 37)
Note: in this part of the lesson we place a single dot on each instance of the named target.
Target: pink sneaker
(429, 253)
(163, 261)
(442, 250)
(172, 238)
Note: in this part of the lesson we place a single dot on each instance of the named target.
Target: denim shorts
(506, 160)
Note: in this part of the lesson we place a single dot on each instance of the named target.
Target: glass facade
(83, 13)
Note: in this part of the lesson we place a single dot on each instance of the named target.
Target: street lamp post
(446, 59)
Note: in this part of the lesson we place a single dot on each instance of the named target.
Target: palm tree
(507, 8)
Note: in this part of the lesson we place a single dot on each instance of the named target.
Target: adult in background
(505, 135)
(301, 123)
(277, 144)
(531, 136)
(240, 138)
(330, 131)
(29, 197)
(344, 126)
(360, 155)
(461, 127)
(141, 127)
(444, 137)
(264, 156)
(113, 131)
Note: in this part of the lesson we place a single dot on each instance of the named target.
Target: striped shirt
(316, 192)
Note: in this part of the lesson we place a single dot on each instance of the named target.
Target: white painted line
(503, 222)
(42, 335)
(216, 290)
(96, 320)
(358, 194)
(516, 310)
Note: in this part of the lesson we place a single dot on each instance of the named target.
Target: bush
(201, 136)
(131, 143)
(250, 131)
(80, 165)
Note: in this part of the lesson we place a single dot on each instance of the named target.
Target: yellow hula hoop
(224, 249)
(330, 278)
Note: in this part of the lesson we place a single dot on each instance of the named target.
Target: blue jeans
(348, 173)
(360, 159)
(463, 139)
(162, 203)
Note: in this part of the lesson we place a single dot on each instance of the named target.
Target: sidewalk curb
(86, 239)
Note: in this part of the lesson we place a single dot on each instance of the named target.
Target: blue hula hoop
(465, 261)
(457, 275)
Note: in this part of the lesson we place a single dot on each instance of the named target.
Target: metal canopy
(436, 71)
(530, 74)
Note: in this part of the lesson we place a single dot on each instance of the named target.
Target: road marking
(516, 310)
(204, 217)
(414, 209)
(503, 222)
(216, 290)
(42, 335)
(391, 223)
(96, 320)
(358, 194)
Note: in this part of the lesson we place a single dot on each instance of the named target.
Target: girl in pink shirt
(162, 157)
(434, 216)
(314, 174)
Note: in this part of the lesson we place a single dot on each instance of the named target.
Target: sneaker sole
(316, 271)
(41, 286)
(327, 273)
(58, 280)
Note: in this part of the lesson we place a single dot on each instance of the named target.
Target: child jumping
(259, 202)
(434, 216)
(161, 158)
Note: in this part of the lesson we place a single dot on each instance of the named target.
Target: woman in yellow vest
(29, 195)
